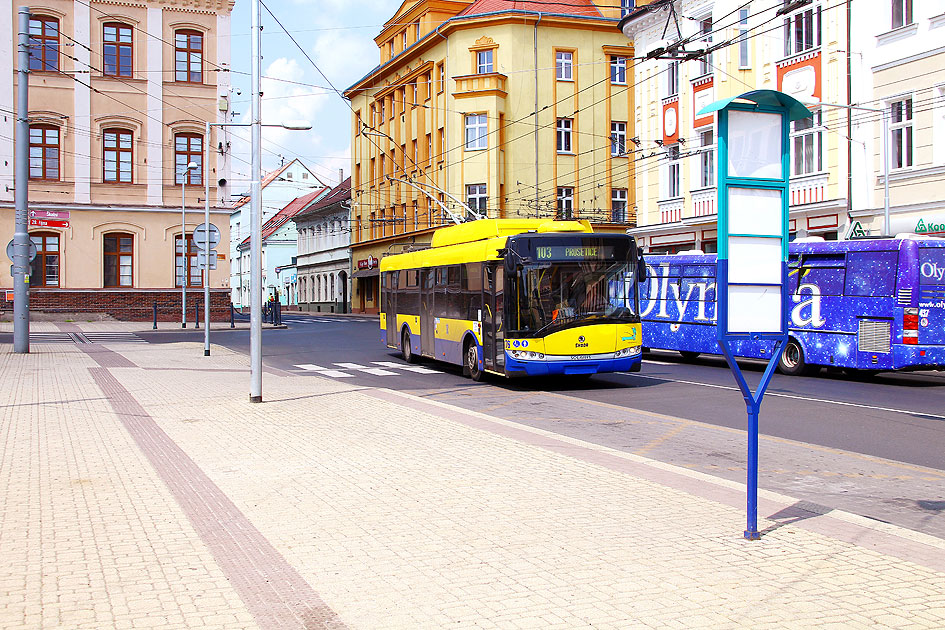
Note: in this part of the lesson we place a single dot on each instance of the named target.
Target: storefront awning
(366, 273)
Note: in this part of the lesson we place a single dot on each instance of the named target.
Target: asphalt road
(870, 446)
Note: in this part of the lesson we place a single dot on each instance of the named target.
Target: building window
(44, 43)
(194, 277)
(188, 147)
(806, 145)
(44, 152)
(672, 79)
(476, 130)
(476, 198)
(44, 270)
(707, 159)
(618, 138)
(618, 70)
(900, 131)
(118, 260)
(626, 6)
(441, 76)
(618, 205)
(705, 29)
(563, 66)
(901, 13)
(188, 56)
(743, 60)
(565, 203)
(429, 147)
(483, 62)
(116, 156)
(563, 135)
(672, 181)
(802, 31)
(117, 50)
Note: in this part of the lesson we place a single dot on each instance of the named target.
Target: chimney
(341, 176)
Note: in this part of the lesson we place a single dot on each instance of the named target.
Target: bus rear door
(389, 284)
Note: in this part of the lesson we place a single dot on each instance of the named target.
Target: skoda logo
(581, 339)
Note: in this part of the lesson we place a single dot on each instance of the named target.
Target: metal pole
(886, 228)
(183, 253)
(751, 531)
(21, 236)
(255, 239)
(206, 247)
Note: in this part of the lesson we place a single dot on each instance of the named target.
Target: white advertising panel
(753, 309)
(754, 260)
(754, 144)
(754, 211)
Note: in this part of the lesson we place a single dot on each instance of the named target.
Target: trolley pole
(21, 236)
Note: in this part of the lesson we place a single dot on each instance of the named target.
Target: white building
(324, 252)
(291, 181)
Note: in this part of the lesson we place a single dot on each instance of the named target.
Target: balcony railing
(481, 84)
(670, 210)
(703, 202)
(808, 189)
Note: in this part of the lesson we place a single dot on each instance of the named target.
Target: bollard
(232, 324)
(155, 315)
(278, 316)
(197, 315)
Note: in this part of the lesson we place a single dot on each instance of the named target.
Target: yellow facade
(485, 75)
(88, 99)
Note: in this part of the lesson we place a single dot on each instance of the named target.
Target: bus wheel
(792, 359)
(688, 355)
(405, 348)
(472, 362)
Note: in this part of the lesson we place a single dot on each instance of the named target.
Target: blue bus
(868, 305)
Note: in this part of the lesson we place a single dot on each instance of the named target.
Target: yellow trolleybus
(517, 297)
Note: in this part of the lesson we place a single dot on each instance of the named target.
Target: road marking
(659, 362)
(324, 371)
(796, 397)
(410, 368)
(365, 369)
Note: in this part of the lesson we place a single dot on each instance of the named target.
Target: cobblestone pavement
(141, 489)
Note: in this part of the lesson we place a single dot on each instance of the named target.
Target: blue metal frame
(765, 101)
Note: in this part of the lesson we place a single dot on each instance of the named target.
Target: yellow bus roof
(476, 241)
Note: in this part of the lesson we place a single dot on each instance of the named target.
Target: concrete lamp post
(192, 166)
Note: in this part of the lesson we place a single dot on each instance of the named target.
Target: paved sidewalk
(141, 489)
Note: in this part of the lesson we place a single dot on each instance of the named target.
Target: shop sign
(932, 225)
(367, 263)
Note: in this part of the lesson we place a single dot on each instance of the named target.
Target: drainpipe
(535, 44)
(446, 119)
(849, 117)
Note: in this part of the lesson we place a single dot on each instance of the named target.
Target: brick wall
(126, 304)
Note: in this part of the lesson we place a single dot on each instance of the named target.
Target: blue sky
(338, 35)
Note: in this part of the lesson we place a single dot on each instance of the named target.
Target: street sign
(202, 259)
(49, 223)
(10, 250)
(62, 215)
(200, 236)
(753, 177)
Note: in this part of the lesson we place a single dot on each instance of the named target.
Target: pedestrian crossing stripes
(113, 337)
(349, 370)
(322, 320)
(52, 337)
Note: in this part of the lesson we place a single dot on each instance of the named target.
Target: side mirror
(641, 269)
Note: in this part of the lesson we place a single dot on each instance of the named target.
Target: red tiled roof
(280, 218)
(337, 194)
(268, 179)
(569, 7)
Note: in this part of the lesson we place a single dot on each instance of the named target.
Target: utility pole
(21, 236)
(255, 222)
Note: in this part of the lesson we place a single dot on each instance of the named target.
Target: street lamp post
(192, 166)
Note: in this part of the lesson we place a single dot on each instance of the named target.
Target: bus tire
(791, 362)
(688, 355)
(405, 348)
(471, 361)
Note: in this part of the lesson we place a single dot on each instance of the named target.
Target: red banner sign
(367, 263)
(49, 223)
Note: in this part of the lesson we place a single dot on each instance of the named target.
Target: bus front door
(493, 349)
(426, 312)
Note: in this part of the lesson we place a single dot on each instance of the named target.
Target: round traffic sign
(200, 236)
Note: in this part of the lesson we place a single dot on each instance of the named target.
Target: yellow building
(801, 49)
(119, 97)
(513, 109)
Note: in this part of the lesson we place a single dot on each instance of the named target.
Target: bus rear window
(871, 274)
(931, 265)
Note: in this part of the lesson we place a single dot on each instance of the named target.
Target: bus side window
(871, 274)
(472, 286)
